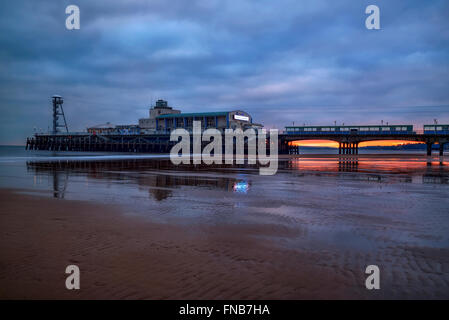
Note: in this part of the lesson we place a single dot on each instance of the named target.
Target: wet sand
(130, 257)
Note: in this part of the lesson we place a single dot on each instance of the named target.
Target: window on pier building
(180, 122)
(210, 121)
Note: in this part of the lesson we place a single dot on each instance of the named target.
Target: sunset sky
(326, 143)
(310, 62)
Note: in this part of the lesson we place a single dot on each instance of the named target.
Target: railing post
(429, 148)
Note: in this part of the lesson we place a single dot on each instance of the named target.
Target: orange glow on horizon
(386, 143)
(316, 143)
(333, 144)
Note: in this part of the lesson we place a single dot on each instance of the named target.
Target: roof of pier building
(194, 114)
(161, 104)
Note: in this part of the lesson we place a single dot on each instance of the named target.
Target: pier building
(164, 118)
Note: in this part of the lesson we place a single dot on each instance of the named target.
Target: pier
(152, 135)
(155, 143)
(348, 143)
(160, 143)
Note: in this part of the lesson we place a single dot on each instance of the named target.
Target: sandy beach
(125, 258)
(141, 228)
(122, 257)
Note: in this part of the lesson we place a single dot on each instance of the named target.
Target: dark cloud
(283, 61)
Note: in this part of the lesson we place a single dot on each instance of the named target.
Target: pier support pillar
(282, 146)
(429, 148)
(339, 148)
(441, 149)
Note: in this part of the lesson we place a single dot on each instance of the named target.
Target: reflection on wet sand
(160, 175)
(405, 169)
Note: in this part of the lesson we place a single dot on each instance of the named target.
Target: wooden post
(429, 148)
